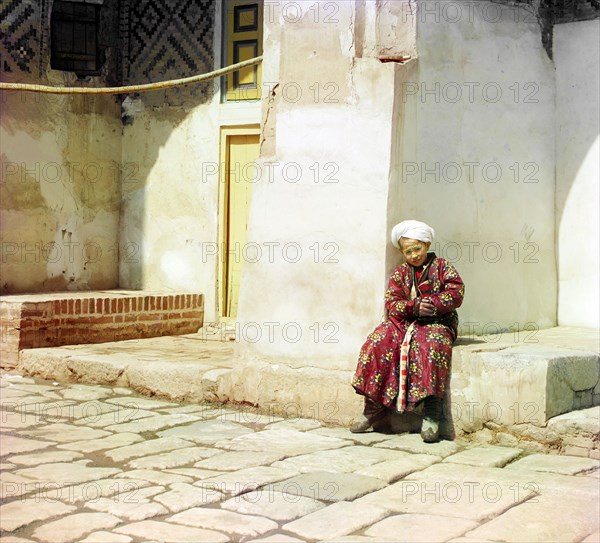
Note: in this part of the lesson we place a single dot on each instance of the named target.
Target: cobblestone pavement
(94, 463)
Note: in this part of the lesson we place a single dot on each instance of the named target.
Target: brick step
(31, 321)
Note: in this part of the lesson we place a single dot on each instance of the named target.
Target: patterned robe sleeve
(396, 303)
(453, 291)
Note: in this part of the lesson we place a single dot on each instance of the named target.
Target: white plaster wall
(59, 187)
(576, 54)
(316, 299)
(478, 118)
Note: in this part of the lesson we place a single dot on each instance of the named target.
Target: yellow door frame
(222, 235)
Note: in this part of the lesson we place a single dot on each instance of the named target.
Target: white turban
(412, 230)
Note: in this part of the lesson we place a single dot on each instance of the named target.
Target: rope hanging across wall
(131, 88)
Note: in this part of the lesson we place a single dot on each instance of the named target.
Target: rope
(131, 88)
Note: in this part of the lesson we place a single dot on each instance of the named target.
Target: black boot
(372, 413)
(430, 429)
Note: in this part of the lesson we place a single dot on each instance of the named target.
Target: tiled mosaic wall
(144, 41)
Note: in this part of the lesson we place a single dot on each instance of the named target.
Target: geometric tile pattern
(167, 39)
(20, 34)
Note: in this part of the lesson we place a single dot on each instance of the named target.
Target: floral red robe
(430, 350)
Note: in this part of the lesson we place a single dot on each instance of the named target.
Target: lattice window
(74, 37)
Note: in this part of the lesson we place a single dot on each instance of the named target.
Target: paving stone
(567, 465)
(156, 477)
(207, 432)
(358, 539)
(183, 496)
(141, 403)
(301, 425)
(272, 504)
(6, 466)
(109, 442)
(327, 486)
(11, 392)
(103, 537)
(66, 473)
(73, 527)
(13, 539)
(152, 424)
(545, 518)
(52, 410)
(148, 447)
(248, 417)
(343, 433)
(81, 393)
(592, 538)
(167, 532)
(490, 456)
(227, 521)
(35, 387)
(277, 538)
(393, 470)
(246, 480)
(347, 459)
(584, 420)
(227, 461)
(92, 411)
(421, 528)
(14, 445)
(34, 459)
(19, 513)
(14, 379)
(336, 520)
(63, 433)
(14, 420)
(119, 416)
(414, 444)
(93, 490)
(121, 391)
(135, 509)
(195, 473)
(289, 442)
(179, 457)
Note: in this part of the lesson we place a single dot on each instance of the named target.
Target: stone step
(499, 392)
(67, 318)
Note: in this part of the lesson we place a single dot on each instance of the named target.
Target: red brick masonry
(70, 318)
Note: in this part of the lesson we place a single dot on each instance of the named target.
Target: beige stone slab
(301, 425)
(156, 477)
(11, 392)
(227, 521)
(358, 539)
(73, 527)
(327, 486)
(183, 496)
(109, 442)
(289, 442)
(64, 433)
(414, 444)
(567, 465)
(141, 403)
(167, 532)
(235, 460)
(14, 420)
(343, 460)
(367, 438)
(6, 466)
(277, 538)
(86, 393)
(20, 513)
(148, 447)
(151, 424)
(45, 457)
(420, 528)
(62, 473)
(51, 410)
(14, 445)
(393, 470)
(121, 391)
(244, 416)
(135, 509)
(195, 473)
(172, 459)
(336, 520)
(489, 456)
(105, 537)
(545, 518)
(592, 538)
(13, 539)
(272, 504)
(207, 432)
(246, 480)
(93, 490)
(121, 415)
(199, 410)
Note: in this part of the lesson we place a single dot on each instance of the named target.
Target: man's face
(414, 251)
